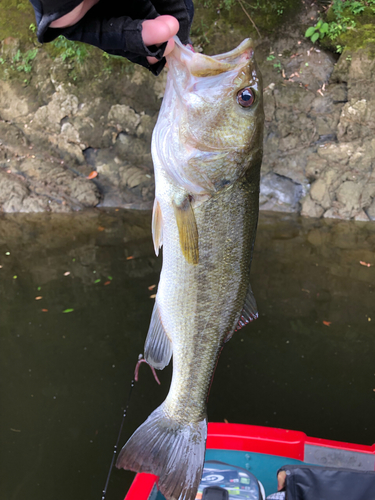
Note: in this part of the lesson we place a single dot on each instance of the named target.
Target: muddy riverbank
(64, 117)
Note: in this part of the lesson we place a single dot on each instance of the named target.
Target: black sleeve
(115, 26)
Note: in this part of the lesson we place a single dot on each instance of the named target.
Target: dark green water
(64, 377)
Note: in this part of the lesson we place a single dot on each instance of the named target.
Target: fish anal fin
(187, 229)
(157, 226)
(158, 346)
(249, 313)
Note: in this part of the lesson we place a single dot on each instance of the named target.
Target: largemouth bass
(207, 152)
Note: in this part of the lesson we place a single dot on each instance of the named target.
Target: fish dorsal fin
(249, 313)
(187, 229)
(158, 346)
(157, 226)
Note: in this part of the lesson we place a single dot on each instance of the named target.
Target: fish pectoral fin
(187, 229)
(157, 227)
(249, 313)
(158, 346)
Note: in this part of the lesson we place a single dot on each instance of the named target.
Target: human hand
(141, 31)
(160, 30)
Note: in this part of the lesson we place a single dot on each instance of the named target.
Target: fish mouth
(201, 65)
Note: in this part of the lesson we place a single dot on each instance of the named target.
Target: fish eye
(246, 97)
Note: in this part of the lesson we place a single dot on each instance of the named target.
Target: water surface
(307, 363)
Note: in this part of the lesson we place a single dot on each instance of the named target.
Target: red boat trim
(257, 439)
(271, 441)
(141, 487)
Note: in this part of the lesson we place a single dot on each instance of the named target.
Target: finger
(281, 480)
(159, 30)
(168, 49)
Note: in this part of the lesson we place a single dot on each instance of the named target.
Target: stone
(310, 208)
(319, 193)
(368, 194)
(349, 194)
(352, 123)
(146, 127)
(125, 117)
(13, 103)
(279, 193)
(34, 204)
(362, 74)
(9, 47)
(336, 152)
(333, 177)
(315, 167)
(68, 151)
(134, 176)
(269, 105)
(362, 159)
(333, 213)
(371, 210)
(292, 167)
(62, 105)
(12, 193)
(132, 149)
(85, 192)
(70, 134)
(361, 216)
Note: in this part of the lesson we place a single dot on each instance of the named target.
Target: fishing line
(132, 384)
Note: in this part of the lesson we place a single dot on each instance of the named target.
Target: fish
(207, 149)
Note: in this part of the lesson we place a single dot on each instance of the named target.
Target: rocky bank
(63, 122)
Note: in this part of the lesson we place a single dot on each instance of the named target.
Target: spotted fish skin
(207, 153)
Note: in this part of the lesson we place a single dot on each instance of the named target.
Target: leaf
(314, 37)
(327, 323)
(110, 278)
(324, 28)
(68, 310)
(92, 175)
(101, 228)
(97, 281)
(310, 31)
(364, 263)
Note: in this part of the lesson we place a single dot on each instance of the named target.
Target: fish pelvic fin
(157, 227)
(172, 451)
(158, 346)
(187, 229)
(249, 313)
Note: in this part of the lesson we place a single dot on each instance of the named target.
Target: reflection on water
(306, 364)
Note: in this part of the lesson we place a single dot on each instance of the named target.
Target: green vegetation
(347, 23)
(67, 49)
(317, 31)
(258, 18)
(16, 17)
(22, 62)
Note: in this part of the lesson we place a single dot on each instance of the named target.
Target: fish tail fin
(170, 450)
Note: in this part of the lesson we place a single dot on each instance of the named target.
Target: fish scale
(207, 151)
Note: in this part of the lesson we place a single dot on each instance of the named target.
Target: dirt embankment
(63, 117)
